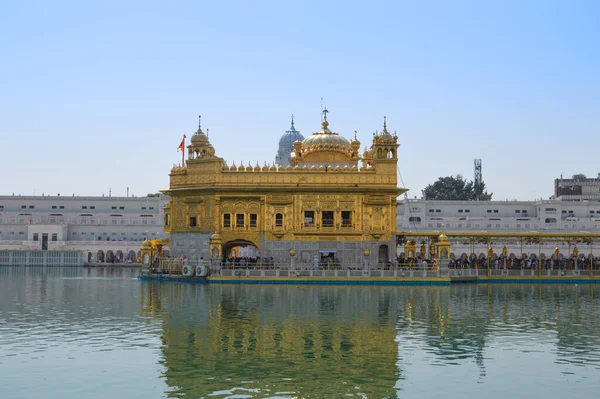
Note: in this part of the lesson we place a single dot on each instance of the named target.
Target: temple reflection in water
(334, 341)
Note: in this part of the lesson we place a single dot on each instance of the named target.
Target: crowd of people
(501, 262)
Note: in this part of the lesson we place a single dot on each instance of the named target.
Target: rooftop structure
(286, 145)
(579, 188)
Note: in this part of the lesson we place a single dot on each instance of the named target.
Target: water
(99, 332)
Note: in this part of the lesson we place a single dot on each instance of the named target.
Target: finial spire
(384, 124)
(325, 111)
(355, 132)
(292, 121)
(199, 122)
(206, 132)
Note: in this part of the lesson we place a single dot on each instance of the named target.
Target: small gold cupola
(200, 146)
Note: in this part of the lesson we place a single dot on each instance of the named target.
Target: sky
(96, 96)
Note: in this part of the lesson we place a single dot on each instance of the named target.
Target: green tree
(154, 195)
(579, 176)
(457, 189)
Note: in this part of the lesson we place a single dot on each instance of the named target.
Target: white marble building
(418, 215)
(544, 215)
(104, 228)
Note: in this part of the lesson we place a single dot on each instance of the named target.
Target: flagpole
(183, 152)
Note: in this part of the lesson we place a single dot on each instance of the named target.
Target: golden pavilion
(330, 201)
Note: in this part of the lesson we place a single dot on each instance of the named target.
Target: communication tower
(478, 179)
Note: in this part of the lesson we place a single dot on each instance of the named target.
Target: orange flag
(182, 145)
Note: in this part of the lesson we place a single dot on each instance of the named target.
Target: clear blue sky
(97, 95)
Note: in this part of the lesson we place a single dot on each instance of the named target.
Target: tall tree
(579, 176)
(457, 189)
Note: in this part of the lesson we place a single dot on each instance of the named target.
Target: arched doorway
(131, 256)
(110, 256)
(89, 257)
(119, 256)
(100, 256)
(235, 250)
(384, 254)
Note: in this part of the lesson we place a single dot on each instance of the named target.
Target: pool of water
(99, 332)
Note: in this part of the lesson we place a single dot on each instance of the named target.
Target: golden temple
(330, 201)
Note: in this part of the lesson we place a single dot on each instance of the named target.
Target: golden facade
(331, 198)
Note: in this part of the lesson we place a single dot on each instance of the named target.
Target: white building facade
(548, 216)
(106, 229)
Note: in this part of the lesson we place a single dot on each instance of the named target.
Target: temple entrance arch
(239, 248)
(383, 254)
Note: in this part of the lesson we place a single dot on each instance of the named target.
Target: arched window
(279, 220)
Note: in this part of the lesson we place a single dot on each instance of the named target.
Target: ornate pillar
(443, 252)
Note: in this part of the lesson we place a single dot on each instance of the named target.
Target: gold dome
(325, 137)
(147, 243)
(442, 238)
(385, 135)
(199, 138)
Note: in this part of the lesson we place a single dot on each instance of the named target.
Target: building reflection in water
(331, 341)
